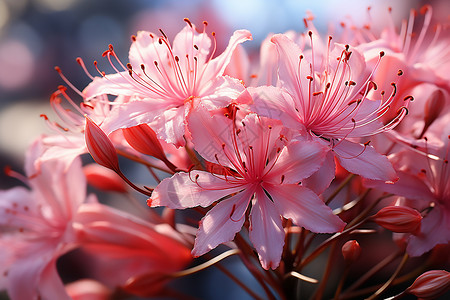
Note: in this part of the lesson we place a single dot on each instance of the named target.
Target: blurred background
(37, 35)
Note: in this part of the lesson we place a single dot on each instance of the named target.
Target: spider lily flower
(117, 240)
(258, 170)
(420, 47)
(37, 226)
(330, 102)
(165, 81)
(68, 141)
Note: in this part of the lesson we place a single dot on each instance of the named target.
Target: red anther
(142, 67)
(188, 21)
(129, 66)
(133, 38)
(79, 61)
(44, 116)
(162, 32)
(57, 69)
(213, 33)
(382, 53)
(195, 47)
(389, 9)
(177, 59)
(62, 88)
(400, 73)
(205, 23)
(310, 33)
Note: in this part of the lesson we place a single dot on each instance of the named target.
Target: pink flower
(424, 182)
(37, 226)
(420, 48)
(117, 240)
(165, 81)
(327, 98)
(256, 168)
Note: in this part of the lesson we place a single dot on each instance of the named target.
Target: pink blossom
(256, 168)
(116, 240)
(165, 81)
(37, 226)
(424, 182)
(328, 98)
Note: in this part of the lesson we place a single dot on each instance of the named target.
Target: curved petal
(434, 231)
(113, 84)
(365, 161)
(217, 66)
(266, 231)
(304, 207)
(275, 103)
(220, 92)
(222, 222)
(321, 180)
(297, 161)
(408, 186)
(133, 113)
(291, 71)
(196, 188)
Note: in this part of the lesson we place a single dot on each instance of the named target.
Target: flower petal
(304, 207)
(364, 160)
(196, 188)
(222, 222)
(297, 161)
(266, 231)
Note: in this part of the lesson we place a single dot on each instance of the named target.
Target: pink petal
(434, 231)
(196, 188)
(170, 126)
(275, 103)
(210, 134)
(184, 42)
(364, 161)
(321, 180)
(266, 231)
(134, 113)
(217, 66)
(408, 186)
(222, 222)
(220, 92)
(297, 161)
(288, 67)
(113, 84)
(304, 207)
(51, 285)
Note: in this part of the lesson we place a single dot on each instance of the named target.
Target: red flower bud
(104, 179)
(399, 219)
(351, 250)
(100, 147)
(430, 285)
(143, 139)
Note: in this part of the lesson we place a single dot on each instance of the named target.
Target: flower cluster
(333, 141)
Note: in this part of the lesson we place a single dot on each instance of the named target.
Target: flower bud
(433, 107)
(400, 219)
(430, 285)
(351, 251)
(100, 147)
(104, 179)
(143, 139)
